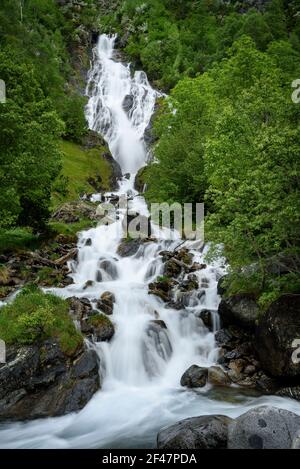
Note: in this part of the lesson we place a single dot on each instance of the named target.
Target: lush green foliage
(34, 316)
(79, 169)
(233, 135)
(172, 39)
(35, 63)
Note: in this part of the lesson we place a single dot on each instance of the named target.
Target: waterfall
(153, 345)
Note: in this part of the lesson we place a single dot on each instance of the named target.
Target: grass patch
(18, 239)
(97, 320)
(35, 316)
(78, 167)
(71, 229)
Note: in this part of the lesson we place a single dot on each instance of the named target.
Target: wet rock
(129, 247)
(191, 283)
(207, 318)
(172, 269)
(217, 376)
(106, 302)
(162, 288)
(205, 432)
(41, 381)
(110, 268)
(263, 428)
(197, 266)
(223, 337)
(128, 103)
(194, 377)
(157, 339)
(101, 327)
(241, 310)
(79, 307)
(139, 182)
(292, 392)
(275, 337)
(222, 287)
(88, 283)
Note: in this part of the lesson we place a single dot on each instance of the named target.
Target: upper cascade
(120, 105)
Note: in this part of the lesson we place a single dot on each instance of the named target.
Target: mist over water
(142, 365)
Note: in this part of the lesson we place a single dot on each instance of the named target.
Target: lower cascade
(154, 343)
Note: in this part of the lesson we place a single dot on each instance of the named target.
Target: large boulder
(41, 381)
(205, 432)
(241, 310)
(277, 335)
(194, 377)
(264, 427)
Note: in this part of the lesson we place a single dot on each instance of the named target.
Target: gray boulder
(41, 381)
(264, 427)
(194, 377)
(205, 432)
(241, 310)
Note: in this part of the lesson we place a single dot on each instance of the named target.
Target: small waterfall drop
(153, 344)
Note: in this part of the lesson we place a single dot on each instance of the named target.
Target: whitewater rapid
(141, 367)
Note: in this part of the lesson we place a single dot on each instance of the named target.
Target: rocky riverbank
(260, 428)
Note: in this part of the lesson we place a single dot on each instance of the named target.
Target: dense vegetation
(36, 40)
(229, 132)
(35, 316)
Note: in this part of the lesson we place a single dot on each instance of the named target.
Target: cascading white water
(143, 363)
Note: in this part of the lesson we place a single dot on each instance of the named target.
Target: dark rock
(223, 337)
(41, 381)
(79, 307)
(197, 266)
(106, 302)
(172, 269)
(157, 334)
(275, 337)
(162, 288)
(128, 103)
(222, 287)
(217, 376)
(241, 310)
(129, 247)
(101, 327)
(205, 432)
(88, 283)
(190, 284)
(292, 392)
(207, 318)
(194, 377)
(109, 267)
(263, 428)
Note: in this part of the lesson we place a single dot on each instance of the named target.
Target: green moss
(80, 166)
(34, 316)
(99, 320)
